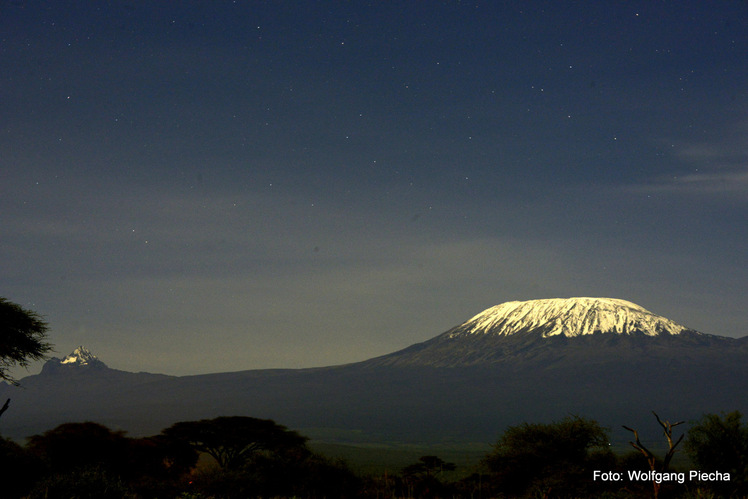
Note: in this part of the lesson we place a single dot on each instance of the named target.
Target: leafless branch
(4, 407)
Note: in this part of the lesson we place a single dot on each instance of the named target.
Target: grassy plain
(392, 457)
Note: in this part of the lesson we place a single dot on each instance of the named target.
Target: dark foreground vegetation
(243, 457)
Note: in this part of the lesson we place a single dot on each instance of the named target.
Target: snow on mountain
(82, 356)
(568, 317)
(558, 331)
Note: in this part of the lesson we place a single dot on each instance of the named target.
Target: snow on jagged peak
(81, 356)
(568, 317)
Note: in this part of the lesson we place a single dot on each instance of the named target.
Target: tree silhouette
(428, 466)
(720, 443)
(232, 441)
(100, 458)
(79, 445)
(22, 337)
(161, 457)
(19, 469)
(558, 456)
(422, 476)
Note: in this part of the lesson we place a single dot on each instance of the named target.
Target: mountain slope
(466, 384)
(544, 333)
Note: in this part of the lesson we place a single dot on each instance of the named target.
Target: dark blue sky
(209, 186)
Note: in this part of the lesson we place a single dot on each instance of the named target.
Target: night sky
(191, 187)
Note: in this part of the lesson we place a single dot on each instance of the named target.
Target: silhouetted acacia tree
(103, 459)
(232, 441)
(79, 445)
(81, 460)
(22, 338)
(428, 466)
(558, 456)
(720, 443)
(422, 477)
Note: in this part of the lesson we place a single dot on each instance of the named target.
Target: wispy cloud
(717, 167)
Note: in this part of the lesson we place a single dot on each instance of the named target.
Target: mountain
(534, 361)
(81, 357)
(582, 330)
(570, 317)
(77, 387)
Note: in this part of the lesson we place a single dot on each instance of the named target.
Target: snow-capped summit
(568, 317)
(82, 356)
(578, 330)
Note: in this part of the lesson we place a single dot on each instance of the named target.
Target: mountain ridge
(539, 332)
(518, 324)
(454, 387)
(82, 356)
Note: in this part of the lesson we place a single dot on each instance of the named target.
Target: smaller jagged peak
(82, 356)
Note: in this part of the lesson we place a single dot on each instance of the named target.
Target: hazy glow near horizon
(203, 187)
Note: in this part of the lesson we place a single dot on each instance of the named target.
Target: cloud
(713, 182)
(714, 168)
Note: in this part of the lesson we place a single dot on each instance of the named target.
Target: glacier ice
(570, 317)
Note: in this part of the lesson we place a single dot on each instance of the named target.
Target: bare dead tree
(667, 427)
